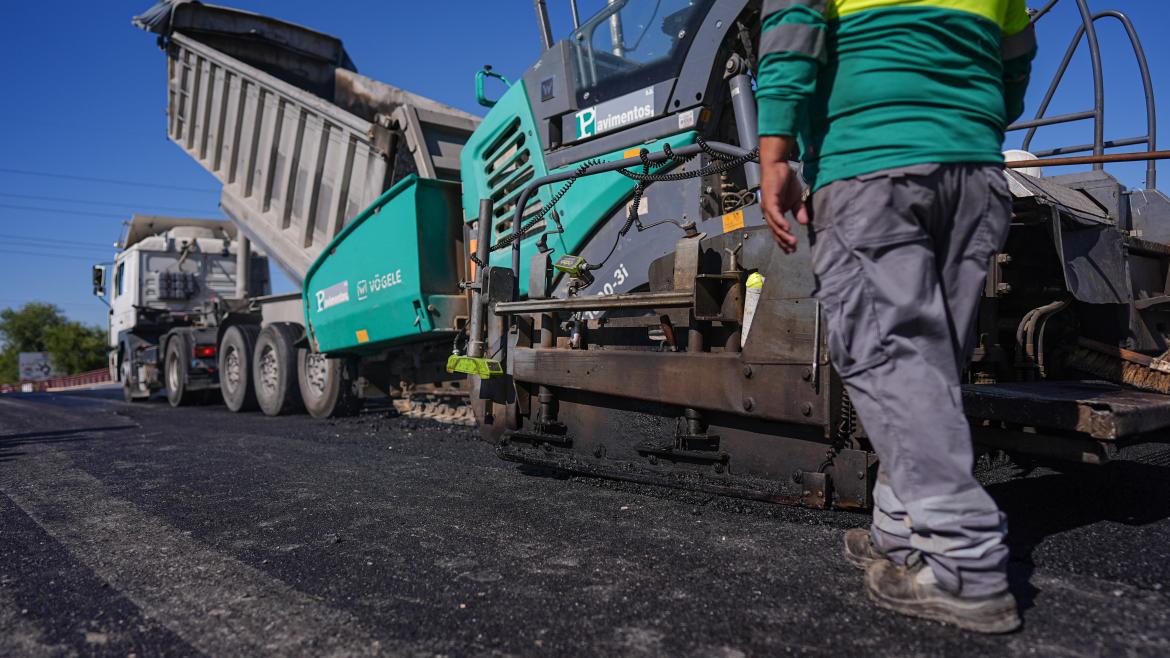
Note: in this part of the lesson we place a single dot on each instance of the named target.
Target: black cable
(726, 163)
(91, 202)
(35, 255)
(527, 226)
(50, 242)
(717, 168)
(633, 218)
(66, 211)
(110, 181)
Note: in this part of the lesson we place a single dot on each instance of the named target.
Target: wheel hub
(268, 369)
(233, 368)
(316, 374)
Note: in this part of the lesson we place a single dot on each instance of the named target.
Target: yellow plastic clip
(470, 365)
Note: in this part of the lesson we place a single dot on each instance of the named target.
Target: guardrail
(100, 376)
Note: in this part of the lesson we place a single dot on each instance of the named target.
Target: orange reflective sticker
(474, 244)
(631, 153)
(733, 221)
(363, 336)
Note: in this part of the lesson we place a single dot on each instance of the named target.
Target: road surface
(140, 529)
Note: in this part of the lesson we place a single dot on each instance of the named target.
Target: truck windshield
(631, 44)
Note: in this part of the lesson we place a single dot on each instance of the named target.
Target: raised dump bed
(392, 276)
(300, 141)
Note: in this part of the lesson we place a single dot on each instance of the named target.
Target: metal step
(1096, 409)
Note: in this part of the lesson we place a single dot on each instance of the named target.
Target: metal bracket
(675, 453)
(814, 489)
(537, 438)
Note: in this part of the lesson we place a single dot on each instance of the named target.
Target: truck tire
(235, 367)
(175, 375)
(274, 370)
(128, 392)
(328, 386)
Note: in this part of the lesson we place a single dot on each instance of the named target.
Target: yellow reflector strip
(733, 221)
(363, 336)
(631, 153)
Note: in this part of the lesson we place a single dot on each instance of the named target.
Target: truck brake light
(204, 351)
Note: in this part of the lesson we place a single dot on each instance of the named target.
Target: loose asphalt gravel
(145, 530)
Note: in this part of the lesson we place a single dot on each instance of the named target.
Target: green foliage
(9, 367)
(23, 329)
(40, 327)
(76, 347)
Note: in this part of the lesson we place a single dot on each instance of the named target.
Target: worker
(897, 110)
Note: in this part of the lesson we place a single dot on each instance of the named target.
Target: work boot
(859, 549)
(913, 591)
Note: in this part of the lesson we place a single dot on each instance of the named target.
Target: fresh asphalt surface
(145, 530)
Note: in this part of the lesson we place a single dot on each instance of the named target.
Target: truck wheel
(328, 386)
(274, 370)
(176, 373)
(235, 367)
(128, 392)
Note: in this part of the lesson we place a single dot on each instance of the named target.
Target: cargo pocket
(991, 234)
(856, 342)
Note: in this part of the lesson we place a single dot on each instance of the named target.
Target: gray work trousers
(901, 257)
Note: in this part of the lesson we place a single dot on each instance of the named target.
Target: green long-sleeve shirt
(867, 85)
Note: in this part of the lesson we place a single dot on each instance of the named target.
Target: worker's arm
(792, 49)
(1019, 48)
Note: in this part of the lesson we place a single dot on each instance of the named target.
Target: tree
(40, 327)
(76, 347)
(23, 329)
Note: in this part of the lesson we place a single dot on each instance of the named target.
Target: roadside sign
(36, 366)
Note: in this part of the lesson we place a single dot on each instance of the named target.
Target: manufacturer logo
(617, 113)
(377, 283)
(548, 89)
(335, 294)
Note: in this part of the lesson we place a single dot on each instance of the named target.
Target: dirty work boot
(913, 591)
(859, 549)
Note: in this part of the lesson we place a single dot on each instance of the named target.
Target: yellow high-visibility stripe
(999, 12)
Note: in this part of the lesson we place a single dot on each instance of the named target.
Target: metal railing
(1087, 31)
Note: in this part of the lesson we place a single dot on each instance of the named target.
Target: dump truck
(303, 146)
(174, 283)
(602, 247)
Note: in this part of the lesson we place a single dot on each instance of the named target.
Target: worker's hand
(780, 190)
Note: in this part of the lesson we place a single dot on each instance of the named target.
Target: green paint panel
(504, 154)
(392, 276)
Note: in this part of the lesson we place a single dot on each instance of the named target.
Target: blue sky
(84, 98)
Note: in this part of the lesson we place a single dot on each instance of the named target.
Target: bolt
(806, 408)
(748, 404)
(860, 475)
(807, 375)
(747, 372)
(719, 467)
(797, 476)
